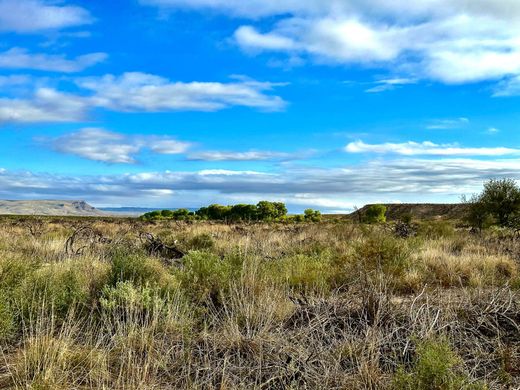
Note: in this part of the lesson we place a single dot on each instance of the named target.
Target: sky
(330, 104)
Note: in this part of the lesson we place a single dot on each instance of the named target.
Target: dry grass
(261, 306)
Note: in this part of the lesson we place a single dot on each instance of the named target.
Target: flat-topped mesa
(395, 211)
(49, 207)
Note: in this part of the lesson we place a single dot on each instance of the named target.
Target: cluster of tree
(263, 211)
(497, 204)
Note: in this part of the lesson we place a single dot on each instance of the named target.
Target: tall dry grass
(328, 305)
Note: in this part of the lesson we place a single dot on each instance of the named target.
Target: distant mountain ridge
(49, 207)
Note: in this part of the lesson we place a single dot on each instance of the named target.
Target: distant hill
(419, 211)
(49, 207)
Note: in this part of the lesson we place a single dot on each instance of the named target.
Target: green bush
(437, 368)
(375, 213)
(125, 294)
(382, 253)
(140, 270)
(311, 215)
(59, 286)
(205, 275)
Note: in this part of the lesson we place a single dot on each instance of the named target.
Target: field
(93, 303)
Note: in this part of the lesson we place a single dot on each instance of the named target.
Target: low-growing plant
(437, 367)
(205, 275)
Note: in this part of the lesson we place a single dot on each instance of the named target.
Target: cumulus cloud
(30, 16)
(106, 146)
(18, 58)
(452, 41)
(411, 148)
(145, 92)
(136, 92)
(47, 105)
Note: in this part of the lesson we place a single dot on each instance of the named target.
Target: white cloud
(443, 124)
(492, 130)
(407, 179)
(145, 92)
(509, 87)
(47, 105)
(452, 41)
(390, 84)
(106, 146)
(252, 155)
(14, 80)
(137, 92)
(18, 58)
(411, 148)
(29, 16)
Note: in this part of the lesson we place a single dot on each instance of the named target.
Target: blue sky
(319, 103)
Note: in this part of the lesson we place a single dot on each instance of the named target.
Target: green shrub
(375, 213)
(437, 368)
(205, 275)
(140, 270)
(125, 294)
(60, 286)
(311, 215)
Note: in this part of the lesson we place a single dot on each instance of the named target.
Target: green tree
(167, 214)
(500, 199)
(268, 211)
(181, 214)
(312, 215)
(375, 213)
(243, 212)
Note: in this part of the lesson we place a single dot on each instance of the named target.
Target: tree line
(262, 211)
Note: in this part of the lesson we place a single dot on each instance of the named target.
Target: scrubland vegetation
(264, 211)
(258, 305)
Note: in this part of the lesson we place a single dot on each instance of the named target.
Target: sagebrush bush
(141, 270)
(60, 286)
(205, 275)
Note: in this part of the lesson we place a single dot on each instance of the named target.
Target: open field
(266, 306)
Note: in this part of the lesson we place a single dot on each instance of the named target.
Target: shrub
(375, 213)
(140, 270)
(205, 275)
(60, 286)
(436, 368)
(312, 215)
(382, 253)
